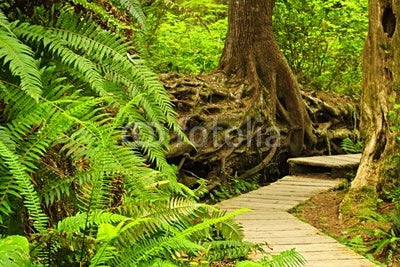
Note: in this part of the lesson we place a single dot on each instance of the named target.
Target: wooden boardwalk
(338, 165)
(270, 222)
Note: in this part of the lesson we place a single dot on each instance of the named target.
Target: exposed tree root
(231, 135)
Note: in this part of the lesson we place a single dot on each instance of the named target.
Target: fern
(227, 249)
(20, 59)
(135, 254)
(288, 258)
(134, 8)
(105, 16)
(350, 147)
(23, 181)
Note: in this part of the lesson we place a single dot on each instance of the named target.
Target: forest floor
(322, 212)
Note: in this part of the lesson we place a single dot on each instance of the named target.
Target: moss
(391, 174)
(357, 203)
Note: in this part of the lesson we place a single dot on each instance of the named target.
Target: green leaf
(14, 251)
(106, 232)
(20, 59)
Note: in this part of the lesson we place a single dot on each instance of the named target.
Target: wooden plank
(311, 177)
(314, 247)
(356, 158)
(278, 203)
(302, 184)
(310, 181)
(253, 205)
(281, 193)
(327, 161)
(288, 223)
(275, 197)
(343, 255)
(264, 235)
(260, 199)
(258, 216)
(319, 178)
(339, 263)
(295, 188)
(272, 241)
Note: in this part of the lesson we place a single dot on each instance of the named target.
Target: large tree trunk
(252, 54)
(381, 81)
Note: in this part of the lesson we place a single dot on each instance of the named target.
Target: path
(270, 222)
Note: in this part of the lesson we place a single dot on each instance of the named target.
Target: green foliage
(350, 147)
(20, 59)
(394, 195)
(182, 41)
(234, 188)
(394, 116)
(289, 258)
(323, 41)
(14, 252)
(384, 237)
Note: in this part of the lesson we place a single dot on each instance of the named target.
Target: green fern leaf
(21, 61)
(31, 199)
(134, 8)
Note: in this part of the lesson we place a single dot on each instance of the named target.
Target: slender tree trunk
(252, 54)
(381, 81)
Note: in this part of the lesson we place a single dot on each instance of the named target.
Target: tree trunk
(381, 81)
(252, 54)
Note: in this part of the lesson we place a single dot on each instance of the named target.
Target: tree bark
(251, 53)
(381, 77)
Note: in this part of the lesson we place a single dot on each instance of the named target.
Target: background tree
(252, 53)
(381, 76)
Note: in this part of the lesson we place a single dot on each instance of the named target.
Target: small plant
(234, 188)
(351, 147)
(289, 258)
(394, 116)
(394, 195)
(386, 238)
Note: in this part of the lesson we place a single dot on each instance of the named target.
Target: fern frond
(103, 14)
(23, 180)
(77, 222)
(179, 239)
(21, 61)
(135, 10)
(39, 35)
(227, 249)
(105, 253)
(350, 147)
(288, 258)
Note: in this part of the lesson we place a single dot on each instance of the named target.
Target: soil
(322, 212)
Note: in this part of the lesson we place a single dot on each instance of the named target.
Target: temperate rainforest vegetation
(122, 123)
